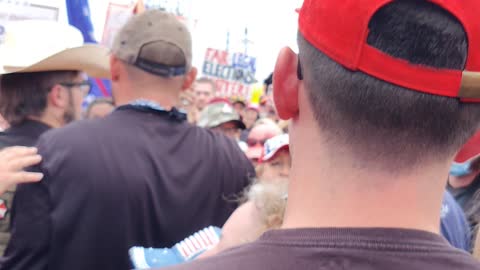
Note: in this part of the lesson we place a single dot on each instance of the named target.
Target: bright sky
(271, 24)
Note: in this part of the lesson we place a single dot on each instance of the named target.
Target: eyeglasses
(84, 86)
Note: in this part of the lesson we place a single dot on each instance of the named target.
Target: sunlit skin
(462, 181)
(243, 226)
(78, 94)
(257, 138)
(13, 160)
(260, 134)
(3, 123)
(203, 94)
(100, 110)
(250, 117)
(278, 167)
(239, 107)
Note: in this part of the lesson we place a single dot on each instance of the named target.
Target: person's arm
(13, 161)
(187, 103)
(28, 247)
(238, 172)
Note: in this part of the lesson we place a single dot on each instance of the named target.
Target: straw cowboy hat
(34, 45)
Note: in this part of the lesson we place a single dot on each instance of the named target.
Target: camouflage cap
(156, 42)
(215, 114)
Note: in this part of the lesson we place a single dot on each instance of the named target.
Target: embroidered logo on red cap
(3, 209)
(340, 29)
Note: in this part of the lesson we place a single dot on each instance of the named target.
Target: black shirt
(341, 249)
(24, 134)
(135, 178)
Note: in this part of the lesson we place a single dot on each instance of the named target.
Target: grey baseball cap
(219, 113)
(156, 42)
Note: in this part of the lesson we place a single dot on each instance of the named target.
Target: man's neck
(166, 100)
(47, 120)
(331, 194)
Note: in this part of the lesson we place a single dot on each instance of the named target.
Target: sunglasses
(84, 86)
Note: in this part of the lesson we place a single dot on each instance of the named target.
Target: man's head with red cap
(257, 138)
(360, 136)
(466, 165)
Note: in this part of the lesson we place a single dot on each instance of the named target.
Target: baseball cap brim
(91, 59)
(204, 123)
(239, 124)
(274, 153)
(470, 151)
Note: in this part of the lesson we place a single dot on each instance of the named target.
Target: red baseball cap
(340, 29)
(470, 150)
(219, 100)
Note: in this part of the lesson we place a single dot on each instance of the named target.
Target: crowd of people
(363, 153)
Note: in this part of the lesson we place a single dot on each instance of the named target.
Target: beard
(114, 94)
(69, 116)
(70, 113)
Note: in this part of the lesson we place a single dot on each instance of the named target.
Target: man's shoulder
(299, 253)
(249, 256)
(74, 134)
(217, 140)
(7, 139)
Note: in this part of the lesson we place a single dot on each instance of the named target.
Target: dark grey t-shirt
(331, 249)
(138, 177)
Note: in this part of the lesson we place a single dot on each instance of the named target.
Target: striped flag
(79, 17)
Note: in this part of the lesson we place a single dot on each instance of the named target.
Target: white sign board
(11, 10)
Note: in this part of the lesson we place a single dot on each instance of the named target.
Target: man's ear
(190, 78)
(115, 68)
(58, 97)
(286, 84)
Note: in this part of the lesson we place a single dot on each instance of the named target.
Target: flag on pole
(139, 7)
(79, 16)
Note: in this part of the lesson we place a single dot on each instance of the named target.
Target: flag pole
(139, 7)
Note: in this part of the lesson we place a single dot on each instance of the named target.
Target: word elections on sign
(243, 61)
(228, 73)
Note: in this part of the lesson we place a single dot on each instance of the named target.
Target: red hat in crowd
(219, 100)
(253, 107)
(257, 138)
(470, 150)
(341, 33)
(274, 146)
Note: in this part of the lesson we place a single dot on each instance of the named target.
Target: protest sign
(117, 16)
(233, 73)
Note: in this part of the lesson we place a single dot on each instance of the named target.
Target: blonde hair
(259, 169)
(284, 125)
(270, 198)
